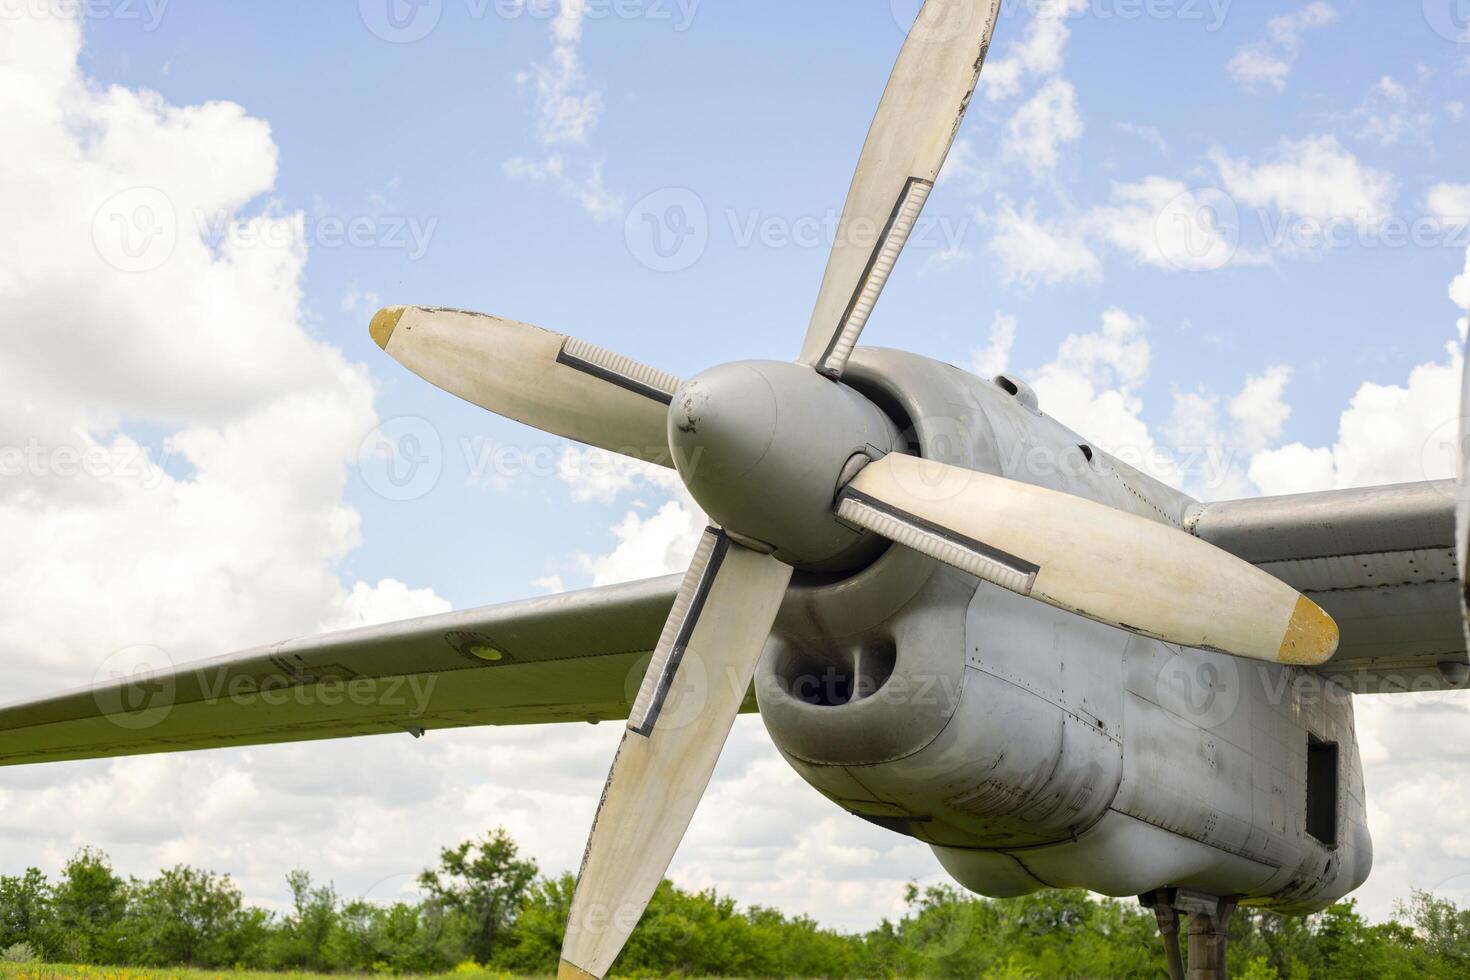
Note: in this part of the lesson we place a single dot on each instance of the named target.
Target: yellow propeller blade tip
(570, 971)
(1311, 636)
(384, 323)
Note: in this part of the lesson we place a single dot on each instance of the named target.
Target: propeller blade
(558, 384)
(700, 672)
(1087, 558)
(911, 135)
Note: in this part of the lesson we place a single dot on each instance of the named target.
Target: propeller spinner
(800, 470)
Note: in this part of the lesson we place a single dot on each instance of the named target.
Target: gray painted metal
(1382, 561)
(1032, 748)
(764, 445)
(574, 657)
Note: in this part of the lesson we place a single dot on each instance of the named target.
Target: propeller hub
(763, 447)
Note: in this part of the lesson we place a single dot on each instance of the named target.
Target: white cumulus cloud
(228, 527)
(1166, 224)
(1032, 252)
(993, 358)
(1313, 178)
(1267, 63)
(1039, 51)
(1450, 203)
(229, 531)
(567, 111)
(1092, 387)
(1389, 434)
(1046, 122)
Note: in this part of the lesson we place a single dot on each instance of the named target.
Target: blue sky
(760, 110)
(528, 154)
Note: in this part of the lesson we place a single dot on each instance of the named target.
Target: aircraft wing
(574, 657)
(1382, 561)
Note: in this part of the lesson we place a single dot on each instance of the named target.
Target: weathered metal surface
(912, 132)
(1381, 561)
(682, 716)
(1062, 752)
(574, 657)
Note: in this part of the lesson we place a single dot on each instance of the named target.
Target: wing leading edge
(1381, 561)
(573, 657)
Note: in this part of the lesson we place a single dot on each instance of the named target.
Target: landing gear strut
(1209, 917)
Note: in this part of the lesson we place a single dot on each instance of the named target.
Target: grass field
(53, 971)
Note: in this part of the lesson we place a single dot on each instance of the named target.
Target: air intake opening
(1322, 790)
(1019, 390)
(831, 680)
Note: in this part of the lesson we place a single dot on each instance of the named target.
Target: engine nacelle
(1032, 748)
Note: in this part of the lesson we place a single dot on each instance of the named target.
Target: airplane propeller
(799, 470)
(554, 383)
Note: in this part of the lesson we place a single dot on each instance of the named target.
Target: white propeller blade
(1090, 559)
(556, 383)
(911, 135)
(690, 696)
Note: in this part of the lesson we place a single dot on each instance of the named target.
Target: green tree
(398, 938)
(484, 882)
(1285, 942)
(24, 909)
(184, 916)
(534, 944)
(300, 940)
(485, 901)
(949, 933)
(87, 909)
(1259, 968)
(1442, 929)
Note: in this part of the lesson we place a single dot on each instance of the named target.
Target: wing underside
(575, 657)
(1381, 561)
